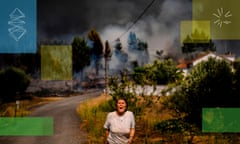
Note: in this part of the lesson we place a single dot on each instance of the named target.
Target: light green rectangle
(26, 126)
(221, 120)
(195, 31)
(56, 62)
(223, 16)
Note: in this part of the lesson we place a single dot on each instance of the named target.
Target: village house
(186, 66)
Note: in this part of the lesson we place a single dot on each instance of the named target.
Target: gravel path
(66, 123)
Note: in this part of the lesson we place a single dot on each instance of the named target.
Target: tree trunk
(106, 76)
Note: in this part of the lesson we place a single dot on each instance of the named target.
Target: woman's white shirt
(119, 126)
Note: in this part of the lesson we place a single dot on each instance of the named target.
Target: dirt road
(66, 123)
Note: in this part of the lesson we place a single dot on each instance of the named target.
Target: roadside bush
(122, 88)
(12, 81)
(208, 85)
(107, 106)
(160, 72)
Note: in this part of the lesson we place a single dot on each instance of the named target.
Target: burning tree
(120, 54)
(81, 54)
(97, 48)
(138, 49)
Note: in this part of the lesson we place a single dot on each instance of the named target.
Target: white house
(205, 58)
(186, 67)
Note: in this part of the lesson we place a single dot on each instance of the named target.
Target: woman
(120, 124)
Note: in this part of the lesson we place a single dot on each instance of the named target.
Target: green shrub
(122, 88)
(208, 85)
(12, 81)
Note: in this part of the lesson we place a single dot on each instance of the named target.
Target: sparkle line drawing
(222, 17)
(17, 31)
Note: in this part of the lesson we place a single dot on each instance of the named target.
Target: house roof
(182, 66)
(185, 64)
(201, 56)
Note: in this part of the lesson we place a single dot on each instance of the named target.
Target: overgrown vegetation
(92, 113)
(81, 54)
(160, 72)
(25, 107)
(148, 111)
(97, 48)
(209, 84)
(169, 119)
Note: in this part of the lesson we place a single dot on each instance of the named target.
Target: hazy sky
(61, 19)
(160, 25)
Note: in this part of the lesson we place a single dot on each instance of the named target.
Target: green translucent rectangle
(221, 120)
(56, 62)
(195, 31)
(26, 126)
(223, 16)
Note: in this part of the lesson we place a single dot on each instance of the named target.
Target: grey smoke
(228, 46)
(159, 26)
(63, 17)
(57, 18)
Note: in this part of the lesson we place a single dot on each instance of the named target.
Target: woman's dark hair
(121, 98)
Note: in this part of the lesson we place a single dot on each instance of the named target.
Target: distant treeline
(30, 63)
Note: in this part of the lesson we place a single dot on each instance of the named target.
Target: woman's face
(121, 106)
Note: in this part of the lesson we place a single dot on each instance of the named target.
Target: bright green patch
(221, 120)
(26, 126)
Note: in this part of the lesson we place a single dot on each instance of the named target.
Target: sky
(77, 16)
(159, 26)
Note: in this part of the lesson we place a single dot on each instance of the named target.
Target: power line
(137, 19)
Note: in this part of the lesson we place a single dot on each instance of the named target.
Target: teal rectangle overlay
(18, 26)
(221, 120)
(26, 126)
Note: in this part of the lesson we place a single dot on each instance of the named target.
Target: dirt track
(66, 123)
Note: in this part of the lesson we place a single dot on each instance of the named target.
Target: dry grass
(93, 119)
(151, 115)
(156, 110)
(25, 106)
(93, 102)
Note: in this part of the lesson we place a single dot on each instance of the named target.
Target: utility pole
(107, 56)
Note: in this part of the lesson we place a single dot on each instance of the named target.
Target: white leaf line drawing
(17, 31)
(222, 17)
